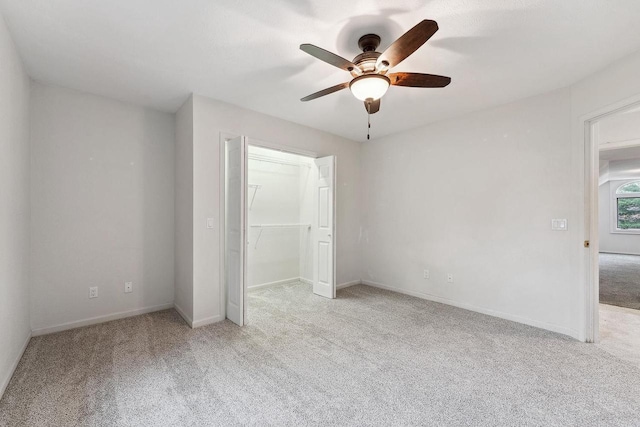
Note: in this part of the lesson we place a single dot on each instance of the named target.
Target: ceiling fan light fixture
(369, 86)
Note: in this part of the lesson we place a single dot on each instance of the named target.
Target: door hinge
(586, 243)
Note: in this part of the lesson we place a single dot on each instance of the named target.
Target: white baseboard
(619, 253)
(307, 281)
(507, 316)
(197, 323)
(99, 319)
(276, 283)
(14, 365)
(347, 284)
(206, 321)
(184, 316)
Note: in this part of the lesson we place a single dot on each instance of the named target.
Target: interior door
(235, 226)
(324, 283)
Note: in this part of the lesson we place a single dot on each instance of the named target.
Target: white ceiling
(156, 52)
(627, 153)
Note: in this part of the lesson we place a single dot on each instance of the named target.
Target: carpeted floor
(370, 357)
(620, 280)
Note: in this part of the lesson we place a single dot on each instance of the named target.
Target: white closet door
(324, 283)
(235, 226)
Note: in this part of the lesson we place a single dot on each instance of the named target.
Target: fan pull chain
(368, 120)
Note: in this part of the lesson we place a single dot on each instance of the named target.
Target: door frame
(588, 124)
(223, 138)
(243, 227)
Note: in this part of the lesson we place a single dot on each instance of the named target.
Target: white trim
(14, 366)
(620, 253)
(507, 316)
(306, 281)
(184, 315)
(207, 321)
(224, 137)
(99, 319)
(347, 284)
(590, 218)
(276, 283)
(197, 323)
(334, 239)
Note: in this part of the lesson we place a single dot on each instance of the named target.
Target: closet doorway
(279, 221)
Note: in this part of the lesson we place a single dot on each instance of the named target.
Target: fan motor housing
(367, 61)
(369, 42)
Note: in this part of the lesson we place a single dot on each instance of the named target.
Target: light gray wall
(212, 117)
(505, 259)
(184, 210)
(14, 207)
(102, 198)
(474, 197)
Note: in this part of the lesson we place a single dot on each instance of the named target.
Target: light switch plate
(210, 223)
(559, 224)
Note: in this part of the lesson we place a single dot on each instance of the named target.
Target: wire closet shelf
(269, 159)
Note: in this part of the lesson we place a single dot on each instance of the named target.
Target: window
(627, 207)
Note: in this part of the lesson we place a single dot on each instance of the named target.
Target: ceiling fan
(370, 69)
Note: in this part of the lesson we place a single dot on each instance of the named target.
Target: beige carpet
(620, 280)
(370, 357)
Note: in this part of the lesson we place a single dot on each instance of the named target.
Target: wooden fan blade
(326, 91)
(372, 106)
(418, 80)
(408, 43)
(328, 57)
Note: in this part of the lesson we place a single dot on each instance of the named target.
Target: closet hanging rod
(275, 160)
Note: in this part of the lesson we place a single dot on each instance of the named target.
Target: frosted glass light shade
(372, 86)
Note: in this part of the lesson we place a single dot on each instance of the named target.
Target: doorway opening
(279, 226)
(615, 229)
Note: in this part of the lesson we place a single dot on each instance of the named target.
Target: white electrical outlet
(450, 278)
(128, 287)
(93, 292)
(425, 274)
